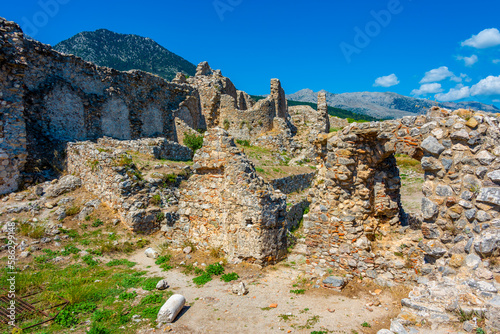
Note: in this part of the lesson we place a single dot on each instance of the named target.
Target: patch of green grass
(286, 317)
(97, 222)
(127, 295)
(150, 283)
(32, 230)
(365, 324)
(202, 279)
(229, 277)
(163, 262)
(245, 143)
(298, 291)
(155, 200)
(70, 249)
(121, 262)
(89, 260)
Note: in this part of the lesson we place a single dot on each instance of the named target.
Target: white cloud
(427, 89)
(454, 94)
(485, 39)
(487, 86)
(496, 61)
(386, 81)
(437, 74)
(469, 61)
(496, 100)
(465, 77)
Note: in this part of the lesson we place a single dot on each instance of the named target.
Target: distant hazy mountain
(125, 52)
(384, 105)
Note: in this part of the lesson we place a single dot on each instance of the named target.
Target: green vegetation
(365, 324)
(163, 262)
(298, 291)
(243, 142)
(193, 141)
(32, 230)
(229, 277)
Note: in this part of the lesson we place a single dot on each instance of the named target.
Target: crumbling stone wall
(108, 172)
(293, 183)
(63, 98)
(156, 148)
(462, 185)
(224, 106)
(226, 204)
(12, 124)
(356, 195)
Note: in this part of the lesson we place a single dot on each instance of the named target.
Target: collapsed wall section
(227, 205)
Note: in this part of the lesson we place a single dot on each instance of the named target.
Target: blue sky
(446, 50)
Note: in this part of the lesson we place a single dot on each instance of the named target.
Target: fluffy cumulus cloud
(485, 39)
(487, 86)
(469, 61)
(496, 61)
(496, 100)
(454, 94)
(427, 89)
(437, 74)
(386, 81)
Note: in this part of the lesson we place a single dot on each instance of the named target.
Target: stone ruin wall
(355, 195)
(63, 98)
(12, 125)
(293, 183)
(227, 205)
(107, 170)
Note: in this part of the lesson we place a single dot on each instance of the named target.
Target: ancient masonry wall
(109, 173)
(12, 125)
(226, 204)
(67, 99)
(156, 148)
(293, 183)
(355, 196)
(461, 207)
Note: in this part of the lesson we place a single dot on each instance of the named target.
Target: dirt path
(215, 309)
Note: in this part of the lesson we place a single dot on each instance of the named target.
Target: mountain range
(384, 105)
(125, 52)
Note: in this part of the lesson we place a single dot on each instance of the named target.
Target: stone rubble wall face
(295, 214)
(227, 205)
(156, 148)
(105, 171)
(355, 195)
(67, 99)
(293, 183)
(12, 125)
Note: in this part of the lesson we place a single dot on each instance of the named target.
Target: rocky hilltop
(125, 52)
(385, 105)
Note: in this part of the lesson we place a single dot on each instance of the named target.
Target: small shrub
(215, 269)
(243, 142)
(72, 211)
(193, 141)
(216, 252)
(155, 200)
(365, 324)
(226, 124)
(202, 279)
(229, 277)
(124, 161)
(35, 231)
(98, 329)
